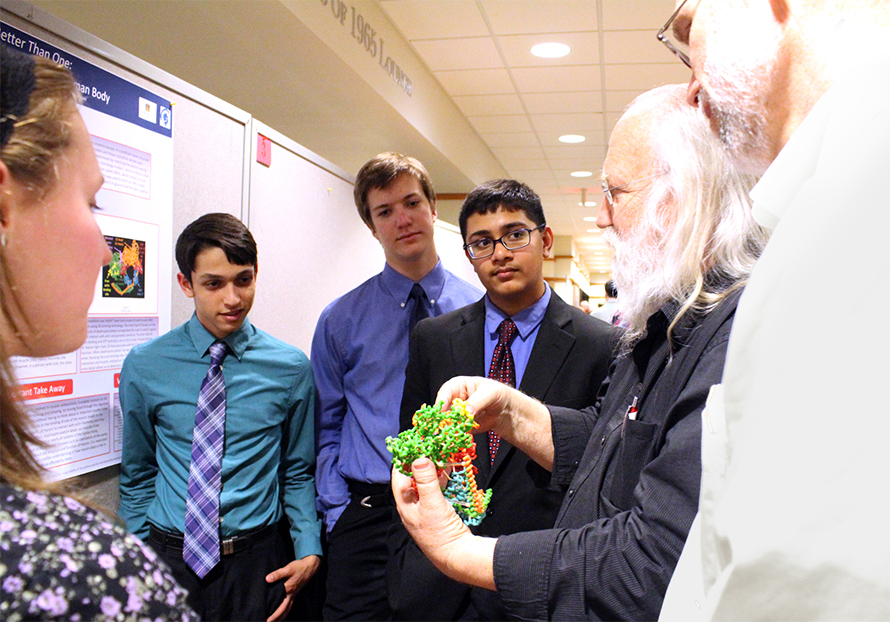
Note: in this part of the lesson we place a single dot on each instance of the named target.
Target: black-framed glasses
(608, 190)
(516, 239)
(681, 50)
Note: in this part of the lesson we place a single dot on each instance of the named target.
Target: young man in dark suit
(557, 353)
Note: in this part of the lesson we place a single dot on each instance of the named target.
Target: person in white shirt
(795, 496)
(607, 311)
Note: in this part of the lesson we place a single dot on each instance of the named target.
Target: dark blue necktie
(418, 310)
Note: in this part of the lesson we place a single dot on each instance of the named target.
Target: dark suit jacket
(568, 362)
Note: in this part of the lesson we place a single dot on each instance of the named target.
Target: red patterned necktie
(502, 370)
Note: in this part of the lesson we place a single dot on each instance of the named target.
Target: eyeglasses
(516, 239)
(608, 190)
(680, 49)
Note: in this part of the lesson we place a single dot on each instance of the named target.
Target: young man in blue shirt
(359, 353)
(267, 429)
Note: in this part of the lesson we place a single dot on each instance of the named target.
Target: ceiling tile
(555, 79)
(636, 14)
(533, 16)
(592, 163)
(489, 105)
(611, 119)
(514, 162)
(436, 19)
(475, 81)
(564, 176)
(517, 49)
(567, 123)
(513, 139)
(497, 125)
(635, 46)
(544, 103)
(569, 152)
(645, 77)
(522, 153)
(552, 140)
(448, 54)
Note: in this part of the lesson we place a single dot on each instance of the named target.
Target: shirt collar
(658, 323)
(202, 339)
(526, 320)
(399, 286)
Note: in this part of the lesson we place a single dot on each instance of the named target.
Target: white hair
(696, 217)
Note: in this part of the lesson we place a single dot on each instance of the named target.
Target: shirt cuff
(520, 576)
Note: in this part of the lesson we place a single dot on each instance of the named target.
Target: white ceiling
(479, 51)
(258, 56)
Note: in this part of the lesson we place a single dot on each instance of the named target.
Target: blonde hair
(38, 140)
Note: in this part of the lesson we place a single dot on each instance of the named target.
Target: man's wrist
(472, 561)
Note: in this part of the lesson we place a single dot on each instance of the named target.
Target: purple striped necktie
(502, 370)
(201, 547)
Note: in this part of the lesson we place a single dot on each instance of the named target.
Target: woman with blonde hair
(60, 559)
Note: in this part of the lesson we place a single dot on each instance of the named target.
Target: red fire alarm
(263, 150)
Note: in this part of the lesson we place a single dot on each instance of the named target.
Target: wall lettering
(365, 35)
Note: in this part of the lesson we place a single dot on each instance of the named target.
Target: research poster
(73, 398)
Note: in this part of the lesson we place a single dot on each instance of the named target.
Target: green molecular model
(446, 438)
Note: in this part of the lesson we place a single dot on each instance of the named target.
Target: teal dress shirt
(268, 456)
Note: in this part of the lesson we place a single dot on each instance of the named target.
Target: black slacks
(356, 558)
(236, 588)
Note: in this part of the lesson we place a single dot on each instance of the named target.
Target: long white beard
(636, 271)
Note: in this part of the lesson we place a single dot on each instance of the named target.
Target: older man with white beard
(630, 464)
(796, 448)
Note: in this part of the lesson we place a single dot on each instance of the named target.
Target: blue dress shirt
(268, 451)
(359, 353)
(527, 323)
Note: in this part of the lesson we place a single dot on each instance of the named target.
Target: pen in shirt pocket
(631, 414)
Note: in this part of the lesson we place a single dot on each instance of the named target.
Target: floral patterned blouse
(60, 560)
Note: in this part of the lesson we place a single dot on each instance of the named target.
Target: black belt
(371, 495)
(226, 547)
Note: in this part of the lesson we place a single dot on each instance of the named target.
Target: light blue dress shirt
(527, 323)
(359, 353)
(269, 434)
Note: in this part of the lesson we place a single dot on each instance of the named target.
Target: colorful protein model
(445, 438)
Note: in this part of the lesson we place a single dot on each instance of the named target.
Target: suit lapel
(467, 345)
(552, 346)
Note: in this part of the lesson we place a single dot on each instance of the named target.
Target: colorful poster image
(124, 277)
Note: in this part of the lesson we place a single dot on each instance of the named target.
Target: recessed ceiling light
(599, 253)
(582, 174)
(572, 138)
(551, 50)
(587, 204)
(592, 230)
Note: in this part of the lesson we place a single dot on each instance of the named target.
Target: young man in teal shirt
(267, 456)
